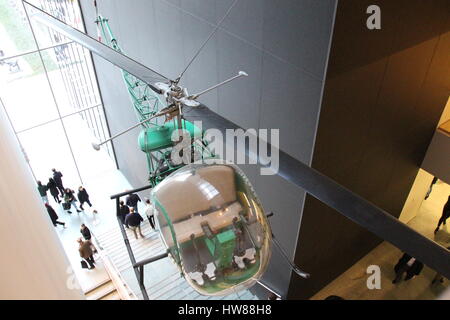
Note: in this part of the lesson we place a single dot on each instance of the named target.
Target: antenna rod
(240, 74)
(294, 268)
(207, 40)
(169, 109)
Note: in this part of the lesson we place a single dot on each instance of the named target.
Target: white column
(33, 262)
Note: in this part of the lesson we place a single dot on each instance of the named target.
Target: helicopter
(209, 216)
(207, 213)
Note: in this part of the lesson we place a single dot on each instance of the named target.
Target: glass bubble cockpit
(214, 226)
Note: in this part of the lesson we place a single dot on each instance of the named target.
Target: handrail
(139, 274)
(123, 289)
(151, 259)
(119, 195)
(265, 286)
(138, 267)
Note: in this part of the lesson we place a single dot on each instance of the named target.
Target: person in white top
(150, 213)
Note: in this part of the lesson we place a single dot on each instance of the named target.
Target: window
(49, 90)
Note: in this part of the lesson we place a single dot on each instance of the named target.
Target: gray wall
(283, 45)
(437, 159)
(384, 95)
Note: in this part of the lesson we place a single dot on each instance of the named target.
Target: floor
(101, 180)
(99, 189)
(352, 284)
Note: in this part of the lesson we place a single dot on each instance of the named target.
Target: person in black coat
(407, 264)
(133, 221)
(57, 176)
(132, 201)
(85, 232)
(83, 197)
(51, 185)
(53, 216)
(124, 210)
(445, 215)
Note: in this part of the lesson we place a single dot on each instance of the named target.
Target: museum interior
(357, 91)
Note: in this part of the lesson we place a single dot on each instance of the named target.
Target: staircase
(104, 291)
(114, 287)
(162, 278)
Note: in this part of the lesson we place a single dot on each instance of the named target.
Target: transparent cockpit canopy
(214, 225)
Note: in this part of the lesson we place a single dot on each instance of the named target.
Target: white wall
(34, 265)
(416, 196)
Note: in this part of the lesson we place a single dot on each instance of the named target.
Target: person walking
(69, 199)
(124, 210)
(409, 265)
(133, 221)
(85, 232)
(437, 278)
(132, 201)
(86, 252)
(42, 191)
(57, 176)
(54, 216)
(150, 213)
(445, 215)
(83, 197)
(51, 185)
(435, 179)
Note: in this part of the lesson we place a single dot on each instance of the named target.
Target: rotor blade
(122, 61)
(346, 202)
(207, 40)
